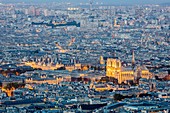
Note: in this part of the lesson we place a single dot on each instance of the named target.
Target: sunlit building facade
(115, 69)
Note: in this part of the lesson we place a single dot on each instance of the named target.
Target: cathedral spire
(133, 58)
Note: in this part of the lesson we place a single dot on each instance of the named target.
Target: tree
(118, 97)
(15, 85)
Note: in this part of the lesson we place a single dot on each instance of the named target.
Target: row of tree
(14, 85)
(119, 97)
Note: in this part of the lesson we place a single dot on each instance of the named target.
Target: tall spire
(114, 54)
(133, 58)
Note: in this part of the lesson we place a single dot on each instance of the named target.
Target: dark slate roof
(92, 106)
(25, 101)
(105, 58)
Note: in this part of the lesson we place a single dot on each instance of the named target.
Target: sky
(116, 2)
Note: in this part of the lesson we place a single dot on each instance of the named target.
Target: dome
(167, 78)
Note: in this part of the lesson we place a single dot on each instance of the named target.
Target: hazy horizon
(118, 2)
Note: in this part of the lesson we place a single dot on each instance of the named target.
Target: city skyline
(86, 58)
(114, 2)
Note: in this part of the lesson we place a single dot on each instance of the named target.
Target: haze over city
(116, 2)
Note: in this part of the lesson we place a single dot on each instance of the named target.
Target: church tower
(115, 22)
(113, 68)
(102, 60)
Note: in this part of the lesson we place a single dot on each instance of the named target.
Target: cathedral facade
(115, 69)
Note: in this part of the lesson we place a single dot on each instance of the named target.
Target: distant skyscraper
(46, 12)
(91, 4)
(37, 12)
(32, 11)
(26, 11)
